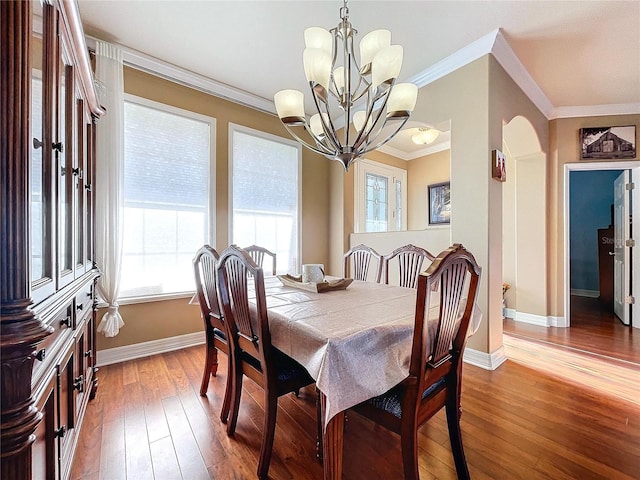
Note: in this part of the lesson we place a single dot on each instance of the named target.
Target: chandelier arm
(306, 144)
(368, 149)
(329, 130)
(364, 138)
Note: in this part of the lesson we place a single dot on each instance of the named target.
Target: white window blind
(265, 194)
(168, 165)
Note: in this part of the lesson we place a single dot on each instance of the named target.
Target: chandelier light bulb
(371, 44)
(290, 105)
(317, 37)
(402, 98)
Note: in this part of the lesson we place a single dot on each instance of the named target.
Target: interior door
(621, 262)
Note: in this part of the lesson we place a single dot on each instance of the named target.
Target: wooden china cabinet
(48, 109)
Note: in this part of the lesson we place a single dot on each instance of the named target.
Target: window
(265, 194)
(168, 196)
(380, 197)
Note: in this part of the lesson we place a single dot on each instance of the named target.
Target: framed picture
(439, 203)
(498, 166)
(599, 143)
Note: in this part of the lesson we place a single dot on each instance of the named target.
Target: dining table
(355, 342)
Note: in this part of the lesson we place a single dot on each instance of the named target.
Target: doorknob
(612, 253)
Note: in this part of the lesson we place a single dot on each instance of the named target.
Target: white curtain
(109, 182)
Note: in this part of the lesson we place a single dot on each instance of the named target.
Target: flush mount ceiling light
(425, 135)
(366, 92)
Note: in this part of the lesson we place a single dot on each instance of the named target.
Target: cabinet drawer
(84, 302)
(61, 322)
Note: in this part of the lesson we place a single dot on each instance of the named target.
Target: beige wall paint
(154, 320)
(422, 172)
(564, 147)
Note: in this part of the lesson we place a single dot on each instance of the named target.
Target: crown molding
(148, 64)
(504, 54)
(401, 154)
(453, 62)
(596, 110)
(493, 43)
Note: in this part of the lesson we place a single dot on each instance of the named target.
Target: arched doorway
(524, 225)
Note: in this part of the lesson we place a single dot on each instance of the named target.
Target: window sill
(150, 299)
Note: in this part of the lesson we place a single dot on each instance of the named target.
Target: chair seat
(288, 370)
(391, 401)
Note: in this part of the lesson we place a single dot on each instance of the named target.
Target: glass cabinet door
(41, 178)
(79, 174)
(63, 147)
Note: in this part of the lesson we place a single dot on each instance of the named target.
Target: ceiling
(583, 55)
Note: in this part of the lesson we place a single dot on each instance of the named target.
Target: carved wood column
(20, 330)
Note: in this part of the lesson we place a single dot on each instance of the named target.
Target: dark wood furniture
(410, 259)
(435, 372)
(250, 345)
(48, 106)
(204, 266)
(359, 258)
(605, 265)
(258, 253)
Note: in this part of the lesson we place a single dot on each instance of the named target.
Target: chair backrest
(258, 253)
(360, 258)
(410, 259)
(239, 280)
(450, 288)
(204, 266)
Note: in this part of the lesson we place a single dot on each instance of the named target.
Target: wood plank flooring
(594, 329)
(149, 422)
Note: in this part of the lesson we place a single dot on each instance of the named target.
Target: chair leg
(228, 391)
(320, 425)
(236, 391)
(270, 412)
(409, 443)
(210, 367)
(455, 438)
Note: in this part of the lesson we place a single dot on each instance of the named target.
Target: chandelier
(366, 93)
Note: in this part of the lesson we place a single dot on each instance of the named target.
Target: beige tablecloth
(356, 343)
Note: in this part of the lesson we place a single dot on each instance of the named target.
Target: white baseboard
(488, 361)
(540, 320)
(558, 322)
(579, 292)
(145, 349)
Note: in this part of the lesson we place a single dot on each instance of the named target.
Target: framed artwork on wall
(498, 166)
(439, 203)
(608, 143)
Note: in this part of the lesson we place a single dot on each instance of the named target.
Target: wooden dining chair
(204, 266)
(250, 345)
(258, 255)
(359, 259)
(410, 260)
(435, 371)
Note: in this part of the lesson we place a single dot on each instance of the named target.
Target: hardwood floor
(594, 329)
(149, 422)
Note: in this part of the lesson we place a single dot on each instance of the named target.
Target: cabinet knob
(60, 432)
(37, 143)
(88, 353)
(78, 384)
(77, 172)
(40, 355)
(58, 147)
(66, 322)
(79, 306)
(88, 187)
